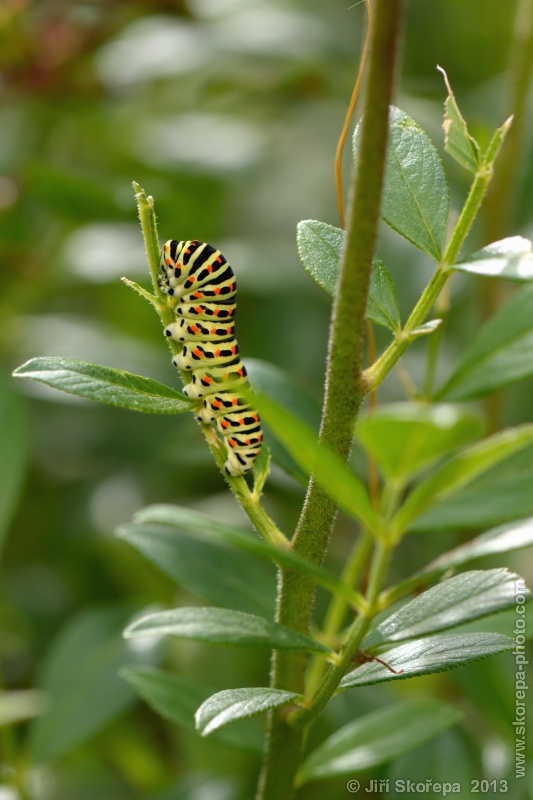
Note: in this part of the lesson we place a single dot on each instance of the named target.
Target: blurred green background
(228, 113)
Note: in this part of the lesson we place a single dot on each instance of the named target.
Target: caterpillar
(203, 283)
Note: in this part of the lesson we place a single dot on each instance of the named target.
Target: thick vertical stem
(344, 392)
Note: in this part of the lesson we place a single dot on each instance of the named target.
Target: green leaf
(233, 704)
(404, 437)
(429, 655)
(500, 353)
(416, 198)
(80, 678)
(176, 699)
(219, 574)
(14, 436)
(378, 737)
(281, 386)
(326, 467)
(503, 539)
(21, 705)
(510, 258)
(382, 306)
(501, 495)
(457, 141)
(114, 387)
(222, 626)
(459, 599)
(203, 525)
(461, 470)
(320, 249)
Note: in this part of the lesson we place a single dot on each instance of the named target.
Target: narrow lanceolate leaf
(378, 737)
(416, 198)
(405, 437)
(501, 353)
(320, 249)
(233, 704)
(210, 569)
(269, 379)
(499, 496)
(460, 470)
(503, 539)
(425, 656)
(176, 699)
(179, 517)
(510, 258)
(222, 626)
(457, 141)
(460, 599)
(114, 387)
(326, 467)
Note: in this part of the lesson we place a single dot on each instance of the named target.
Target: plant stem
(263, 524)
(353, 640)
(338, 606)
(344, 393)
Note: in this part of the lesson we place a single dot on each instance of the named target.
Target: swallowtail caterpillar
(203, 283)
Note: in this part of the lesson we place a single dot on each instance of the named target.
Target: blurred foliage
(228, 112)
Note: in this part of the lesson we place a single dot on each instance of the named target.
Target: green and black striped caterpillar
(203, 283)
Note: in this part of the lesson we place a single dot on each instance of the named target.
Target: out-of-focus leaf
(176, 699)
(378, 737)
(222, 626)
(14, 428)
(320, 249)
(416, 198)
(326, 467)
(114, 387)
(203, 525)
(21, 705)
(510, 258)
(281, 386)
(500, 353)
(460, 470)
(457, 141)
(219, 574)
(501, 495)
(429, 655)
(499, 540)
(459, 599)
(80, 679)
(233, 704)
(404, 437)
(71, 194)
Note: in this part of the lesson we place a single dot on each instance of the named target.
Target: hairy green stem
(164, 305)
(352, 642)
(344, 393)
(338, 606)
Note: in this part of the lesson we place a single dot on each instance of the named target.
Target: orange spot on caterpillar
(216, 403)
(198, 309)
(217, 353)
(198, 353)
(235, 401)
(217, 289)
(195, 328)
(198, 295)
(225, 423)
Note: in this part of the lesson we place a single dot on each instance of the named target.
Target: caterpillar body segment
(203, 283)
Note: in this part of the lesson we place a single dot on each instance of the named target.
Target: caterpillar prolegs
(202, 281)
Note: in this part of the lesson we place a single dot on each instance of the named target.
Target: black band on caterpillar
(203, 283)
